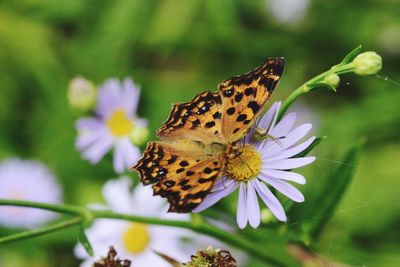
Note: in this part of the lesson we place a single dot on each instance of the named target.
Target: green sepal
(350, 56)
(82, 238)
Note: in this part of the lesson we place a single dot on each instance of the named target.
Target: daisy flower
(268, 164)
(136, 242)
(27, 180)
(114, 125)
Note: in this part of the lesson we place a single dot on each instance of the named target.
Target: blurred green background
(175, 49)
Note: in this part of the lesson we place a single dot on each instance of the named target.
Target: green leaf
(350, 56)
(332, 191)
(85, 241)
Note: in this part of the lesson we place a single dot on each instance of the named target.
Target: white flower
(27, 180)
(135, 241)
(111, 128)
(266, 162)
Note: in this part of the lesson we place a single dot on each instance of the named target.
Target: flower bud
(367, 63)
(332, 79)
(82, 94)
(139, 135)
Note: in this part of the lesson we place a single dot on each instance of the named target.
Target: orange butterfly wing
(182, 175)
(244, 96)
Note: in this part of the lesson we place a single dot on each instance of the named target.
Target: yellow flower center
(136, 238)
(245, 166)
(119, 123)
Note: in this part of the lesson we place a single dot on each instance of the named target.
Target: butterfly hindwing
(197, 120)
(244, 96)
(183, 178)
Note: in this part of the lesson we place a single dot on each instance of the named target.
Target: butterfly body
(200, 137)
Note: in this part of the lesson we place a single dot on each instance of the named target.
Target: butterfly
(201, 136)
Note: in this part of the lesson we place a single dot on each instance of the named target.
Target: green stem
(84, 213)
(41, 231)
(316, 82)
(203, 228)
(60, 208)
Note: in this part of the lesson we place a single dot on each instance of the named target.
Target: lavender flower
(269, 163)
(27, 180)
(112, 126)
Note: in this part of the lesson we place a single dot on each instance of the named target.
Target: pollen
(119, 123)
(245, 166)
(136, 238)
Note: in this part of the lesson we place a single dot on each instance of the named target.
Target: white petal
(270, 201)
(283, 175)
(214, 197)
(253, 208)
(285, 188)
(288, 164)
(117, 194)
(290, 152)
(284, 126)
(241, 215)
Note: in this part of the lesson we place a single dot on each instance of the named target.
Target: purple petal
(265, 122)
(288, 164)
(216, 196)
(241, 215)
(298, 133)
(130, 97)
(141, 122)
(290, 152)
(89, 138)
(275, 117)
(131, 153)
(89, 124)
(284, 126)
(270, 200)
(253, 208)
(285, 188)
(95, 152)
(283, 175)
(267, 119)
(118, 160)
(109, 98)
(222, 184)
